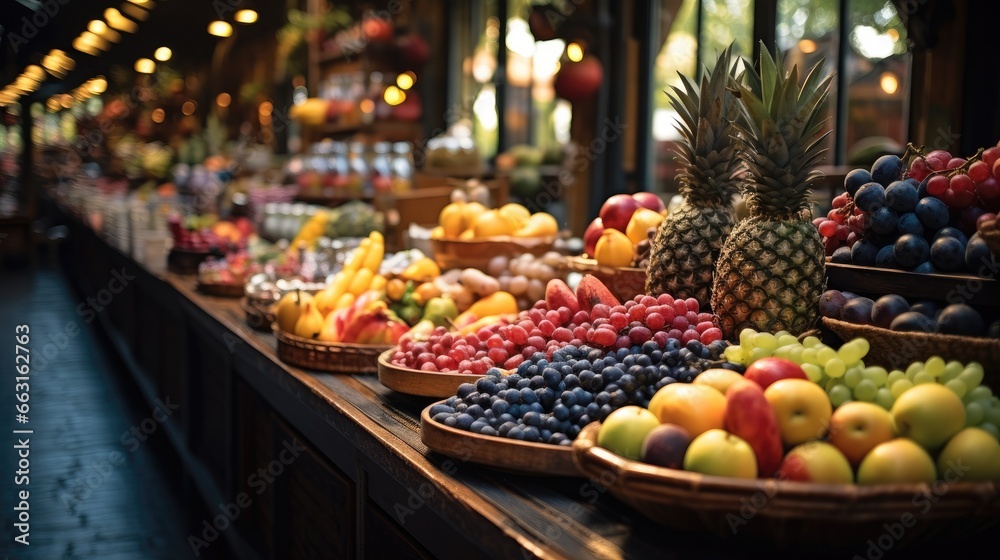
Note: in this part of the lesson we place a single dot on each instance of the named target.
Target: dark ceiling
(31, 28)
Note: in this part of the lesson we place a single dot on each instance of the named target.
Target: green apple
(720, 453)
(929, 414)
(972, 455)
(897, 461)
(816, 461)
(856, 427)
(624, 430)
(802, 407)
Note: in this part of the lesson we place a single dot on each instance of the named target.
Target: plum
(912, 321)
(665, 446)
(926, 267)
(887, 308)
(926, 307)
(864, 252)
(994, 330)
(831, 304)
(961, 319)
(858, 311)
(886, 258)
(841, 256)
(977, 254)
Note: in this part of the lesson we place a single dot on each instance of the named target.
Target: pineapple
(687, 243)
(771, 271)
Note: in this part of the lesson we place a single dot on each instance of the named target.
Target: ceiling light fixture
(245, 16)
(117, 21)
(101, 29)
(135, 12)
(163, 54)
(145, 66)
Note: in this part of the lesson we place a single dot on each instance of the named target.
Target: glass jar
(381, 170)
(402, 167)
(358, 178)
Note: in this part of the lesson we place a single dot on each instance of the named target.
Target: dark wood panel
(385, 540)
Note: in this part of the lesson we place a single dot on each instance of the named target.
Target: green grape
(991, 428)
(746, 338)
(809, 356)
(971, 377)
(875, 374)
(782, 352)
(884, 398)
(780, 334)
(787, 340)
(865, 391)
(758, 353)
(839, 394)
(831, 383)
(900, 386)
(894, 376)
(852, 377)
(923, 377)
(825, 354)
(951, 371)
(813, 372)
(974, 414)
(981, 392)
(766, 341)
(915, 368)
(795, 354)
(993, 412)
(736, 354)
(934, 366)
(835, 367)
(810, 341)
(853, 351)
(957, 387)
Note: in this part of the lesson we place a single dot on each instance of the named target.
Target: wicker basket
(896, 350)
(786, 513)
(456, 253)
(624, 282)
(335, 357)
(260, 315)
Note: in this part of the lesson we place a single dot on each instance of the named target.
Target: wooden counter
(365, 486)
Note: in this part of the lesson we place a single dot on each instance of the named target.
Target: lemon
(515, 214)
(491, 224)
(641, 221)
(452, 219)
(540, 224)
(472, 211)
(614, 248)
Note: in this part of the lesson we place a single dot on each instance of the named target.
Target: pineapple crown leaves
(706, 150)
(781, 133)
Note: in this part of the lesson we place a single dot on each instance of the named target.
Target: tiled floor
(92, 495)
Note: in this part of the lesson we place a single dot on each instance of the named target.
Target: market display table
(290, 463)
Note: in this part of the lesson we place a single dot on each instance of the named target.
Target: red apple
(591, 235)
(579, 81)
(649, 200)
(766, 371)
(617, 211)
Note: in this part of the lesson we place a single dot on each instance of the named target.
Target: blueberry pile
(551, 401)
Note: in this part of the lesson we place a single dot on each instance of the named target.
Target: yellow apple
(929, 414)
(973, 455)
(720, 453)
(816, 461)
(856, 427)
(719, 378)
(624, 430)
(696, 408)
(802, 407)
(897, 461)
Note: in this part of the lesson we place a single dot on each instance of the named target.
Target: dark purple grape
(864, 252)
(909, 223)
(884, 221)
(870, 197)
(854, 180)
(978, 256)
(948, 253)
(911, 250)
(926, 267)
(961, 319)
(952, 232)
(842, 255)
(886, 258)
(932, 213)
(901, 196)
(887, 169)
(887, 308)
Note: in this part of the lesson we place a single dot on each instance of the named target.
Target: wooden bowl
(509, 455)
(897, 350)
(624, 282)
(418, 383)
(784, 512)
(334, 357)
(456, 253)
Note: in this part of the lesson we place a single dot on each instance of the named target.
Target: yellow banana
(361, 282)
(358, 256)
(378, 282)
(375, 253)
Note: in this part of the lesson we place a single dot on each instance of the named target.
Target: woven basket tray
(624, 282)
(787, 513)
(457, 253)
(896, 350)
(335, 357)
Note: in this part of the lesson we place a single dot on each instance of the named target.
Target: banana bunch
(311, 231)
(360, 274)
